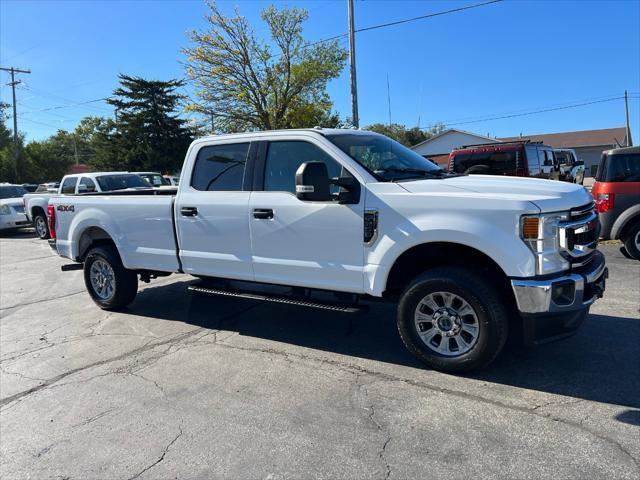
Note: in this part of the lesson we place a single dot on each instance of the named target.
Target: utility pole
(389, 98)
(626, 109)
(213, 128)
(352, 64)
(16, 153)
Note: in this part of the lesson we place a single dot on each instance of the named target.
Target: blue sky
(513, 56)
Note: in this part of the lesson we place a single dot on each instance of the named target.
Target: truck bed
(140, 222)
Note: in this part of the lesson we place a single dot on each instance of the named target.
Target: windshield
(12, 191)
(564, 157)
(384, 158)
(619, 168)
(120, 182)
(155, 179)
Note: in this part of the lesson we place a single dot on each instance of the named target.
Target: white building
(438, 148)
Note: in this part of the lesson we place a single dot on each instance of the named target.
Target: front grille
(579, 235)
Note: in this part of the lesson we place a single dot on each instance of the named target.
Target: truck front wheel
(452, 319)
(110, 285)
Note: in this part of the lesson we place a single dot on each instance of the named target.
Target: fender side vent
(370, 225)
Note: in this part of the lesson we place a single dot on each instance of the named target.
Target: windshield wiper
(424, 173)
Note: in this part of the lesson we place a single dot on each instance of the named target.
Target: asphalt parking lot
(185, 386)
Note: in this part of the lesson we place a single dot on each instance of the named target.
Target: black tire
(125, 282)
(41, 226)
(490, 311)
(629, 240)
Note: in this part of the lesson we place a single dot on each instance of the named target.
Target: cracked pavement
(188, 386)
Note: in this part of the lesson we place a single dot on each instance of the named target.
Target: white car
(465, 258)
(36, 203)
(11, 207)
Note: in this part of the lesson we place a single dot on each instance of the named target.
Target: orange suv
(617, 196)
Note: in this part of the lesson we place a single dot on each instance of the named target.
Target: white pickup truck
(344, 215)
(35, 204)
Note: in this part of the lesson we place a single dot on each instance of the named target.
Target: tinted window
(220, 167)
(69, 185)
(532, 160)
(87, 182)
(120, 182)
(490, 162)
(284, 159)
(619, 168)
(12, 191)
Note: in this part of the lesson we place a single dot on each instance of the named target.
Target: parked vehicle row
(35, 204)
(519, 159)
(467, 259)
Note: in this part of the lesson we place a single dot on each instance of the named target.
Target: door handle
(188, 211)
(263, 213)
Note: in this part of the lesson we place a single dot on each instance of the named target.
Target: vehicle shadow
(21, 233)
(600, 363)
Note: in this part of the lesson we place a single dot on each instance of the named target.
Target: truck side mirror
(82, 188)
(312, 182)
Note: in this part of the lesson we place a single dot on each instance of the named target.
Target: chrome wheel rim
(102, 279)
(41, 226)
(447, 324)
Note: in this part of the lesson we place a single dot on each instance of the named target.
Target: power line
(533, 112)
(406, 20)
(68, 106)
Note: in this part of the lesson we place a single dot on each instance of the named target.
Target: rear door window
(619, 168)
(220, 167)
(69, 185)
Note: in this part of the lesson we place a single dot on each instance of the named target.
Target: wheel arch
(624, 221)
(424, 256)
(91, 237)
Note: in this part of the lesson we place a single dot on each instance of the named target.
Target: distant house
(438, 148)
(588, 144)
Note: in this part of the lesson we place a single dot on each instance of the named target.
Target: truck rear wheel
(110, 285)
(41, 226)
(452, 320)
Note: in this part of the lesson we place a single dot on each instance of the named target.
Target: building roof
(449, 130)
(583, 138)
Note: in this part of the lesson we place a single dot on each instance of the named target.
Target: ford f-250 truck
(352, 215)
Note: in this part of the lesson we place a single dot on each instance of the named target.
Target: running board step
(336, 307)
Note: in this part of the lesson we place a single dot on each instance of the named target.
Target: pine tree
(148, 134)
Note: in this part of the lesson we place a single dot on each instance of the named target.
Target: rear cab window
(69, 185)
(89, 185)
(220, 167)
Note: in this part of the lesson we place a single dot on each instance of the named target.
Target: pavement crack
(137, 351)
(42, 300)
(164, 453)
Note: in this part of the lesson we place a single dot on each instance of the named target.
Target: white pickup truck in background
(352, 215)
(35, 204)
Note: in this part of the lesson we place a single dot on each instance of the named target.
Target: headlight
(540, 233)
(4, 210)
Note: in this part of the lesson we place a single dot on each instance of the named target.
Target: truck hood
(547, 195)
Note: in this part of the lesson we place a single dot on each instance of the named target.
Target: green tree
(149, 135)
(248, 85)
(407, 136)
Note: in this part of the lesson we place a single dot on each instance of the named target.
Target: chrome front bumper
(565, 293)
